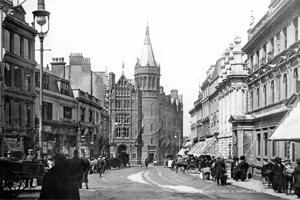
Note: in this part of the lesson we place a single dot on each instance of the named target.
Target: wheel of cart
(192, 168)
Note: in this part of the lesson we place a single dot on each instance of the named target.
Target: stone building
(17, 85)
(156, 123)
(88, 89)
(272, 49)
(60, 121)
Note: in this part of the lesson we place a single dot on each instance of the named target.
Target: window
(258, 145)
(17, 45)
(152, 109)
(278, 42)
(251, 62)
(45, 82)
(275, 148)
(295, 23)
(285, 86)
(7, 111)
(265, 94)
(17, 113)
(252, 101)
(257, 59)
(28, 114)
(278, 88)
(97, 117)
(91, 116)
(7, 75)
(151, 127)
(272, 91)
(17, 77)
(285, 37)
(47, 111)
(264, 53)
(67, 112)
(258, 100)
(64, 88)
(295, 79)
(26, 49)
(266, 143)
(37, 79)
(151, 141)
(27, 80)
(82, 114)
(7, 41)
(272, 45)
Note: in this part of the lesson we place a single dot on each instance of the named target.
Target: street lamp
(175, 136)
(41, 16)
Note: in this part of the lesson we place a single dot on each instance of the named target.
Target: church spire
(147, 57)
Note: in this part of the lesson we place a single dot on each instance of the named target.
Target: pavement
(250, 184)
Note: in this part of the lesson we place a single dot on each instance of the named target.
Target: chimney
(58, 67)
(174, 94)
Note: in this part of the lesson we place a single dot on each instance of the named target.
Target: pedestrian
(288, 176)
(233, 167)
(296, 176)
(213, 168)
(60, 181)
(146, 162)
(220, 169)
(78, 166)
(30, 158)
(50, 162)
(86, 169)
(100, 165)
(277, 171)
(241, 169)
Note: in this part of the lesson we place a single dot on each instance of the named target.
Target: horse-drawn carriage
(121, 161)
(15, 174)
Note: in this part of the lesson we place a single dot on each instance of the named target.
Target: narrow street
(157, 183)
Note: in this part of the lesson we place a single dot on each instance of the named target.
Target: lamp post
(41, 16)
(175, 136)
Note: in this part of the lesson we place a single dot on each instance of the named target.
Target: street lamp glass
(175, 136)
(41, 20)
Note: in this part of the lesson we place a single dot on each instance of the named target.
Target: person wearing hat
(86, 169)
(30, 157)
(100, 165)
(277, 171)
(296, 176)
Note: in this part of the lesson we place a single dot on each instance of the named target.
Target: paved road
(157, 183)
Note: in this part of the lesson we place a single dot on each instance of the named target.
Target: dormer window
(64, 88)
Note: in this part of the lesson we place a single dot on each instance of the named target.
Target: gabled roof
(147, 57)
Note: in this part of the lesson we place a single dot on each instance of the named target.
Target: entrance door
(151, 156)
(121, 150)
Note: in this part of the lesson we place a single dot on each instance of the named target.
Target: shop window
(67, 112)
(47, 111)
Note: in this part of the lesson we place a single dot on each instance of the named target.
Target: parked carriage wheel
(13, 181)
(191, 168)
(264, 182)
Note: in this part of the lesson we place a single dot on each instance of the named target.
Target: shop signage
(210, 147)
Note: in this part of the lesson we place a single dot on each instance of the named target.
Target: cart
(15, 174)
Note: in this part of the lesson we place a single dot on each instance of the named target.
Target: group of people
(64, 176)
(239, 168)
(283, 176)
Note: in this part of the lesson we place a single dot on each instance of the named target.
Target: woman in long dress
(277, 171)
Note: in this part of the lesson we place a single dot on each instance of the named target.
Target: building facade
(272, 49)
(17, 85)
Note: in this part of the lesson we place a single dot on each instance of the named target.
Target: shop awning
(188, 144)
(288, 129)
(195, 147)
(208, 147)
(181, 152)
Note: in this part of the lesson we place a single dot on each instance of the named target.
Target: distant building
(156, 121)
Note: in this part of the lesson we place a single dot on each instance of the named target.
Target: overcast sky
(187, 36)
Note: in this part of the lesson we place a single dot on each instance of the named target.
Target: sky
(187, 36)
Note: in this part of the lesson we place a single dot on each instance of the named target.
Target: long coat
(220, 167)
(60, 183)
(277, 171)
(296, 175)
(234, 165)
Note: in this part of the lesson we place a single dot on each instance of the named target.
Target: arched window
(285, 86)
(272, 91)
(6, 42)
(17, 45)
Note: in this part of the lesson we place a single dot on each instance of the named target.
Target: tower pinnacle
(147, 58)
